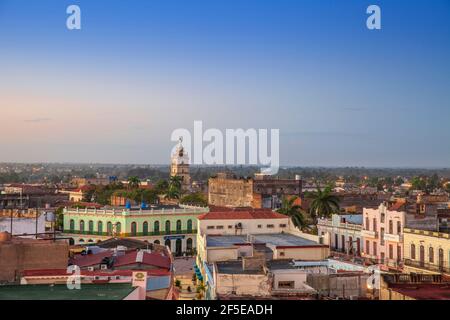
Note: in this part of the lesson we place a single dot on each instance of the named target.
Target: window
(145, 228)
(399, 253)
(281, 254)
(189, 244)
(259, 226)
(286, 284)
(382, 217)
(374, 224)
(399, 227)
(167, 226)
(210, 227)
(219, 227)
(109, 228)
(100, 227)
(230, 227)
(82, 225)
(270, 226)
(91, 226)
(374, 248)
(156, 226)
(178, 225)
(391, 252)
(133, 229)
(367, 246)
(72, 225)
(382, 236)
(282, 225)
(391, 227)
(431, 254)
(367, 223)
(118, 228)
(189, 226)
(413, 251)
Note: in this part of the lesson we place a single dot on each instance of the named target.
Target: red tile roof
(101, 273)
(243, 215)
(435, 291)
(91, 259)
(152, 259)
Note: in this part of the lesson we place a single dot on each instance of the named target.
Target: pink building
(382, 235)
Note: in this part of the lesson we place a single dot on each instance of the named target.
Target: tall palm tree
(133, 182)
(292, 210)
(324, 203)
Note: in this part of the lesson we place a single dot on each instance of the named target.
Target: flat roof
(277, 239)
(110, 291)
(235, 267)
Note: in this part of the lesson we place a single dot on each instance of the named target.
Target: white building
(343, 233)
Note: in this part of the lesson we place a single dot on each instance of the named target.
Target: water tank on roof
(128, 204)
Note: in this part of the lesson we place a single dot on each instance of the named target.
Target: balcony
(369, 234)
(443, 268)
(138, 234)
(393, 237)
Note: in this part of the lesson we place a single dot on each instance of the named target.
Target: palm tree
(133, 182)
(324, 203)
(175, 181)
(292, 210)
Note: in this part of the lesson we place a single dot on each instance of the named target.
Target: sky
(113, 92)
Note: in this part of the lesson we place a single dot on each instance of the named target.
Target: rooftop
(110, 291)
(276, 239)
(244, 215)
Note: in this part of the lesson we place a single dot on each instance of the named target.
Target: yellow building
(426, 251)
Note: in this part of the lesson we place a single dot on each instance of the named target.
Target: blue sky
(113, 92)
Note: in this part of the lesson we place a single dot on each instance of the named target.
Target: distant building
(81, 182)
(261, 192)
(180, 166)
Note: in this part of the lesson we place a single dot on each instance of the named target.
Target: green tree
(174, 189)
(293, 211)
(197, 199)
(324, 203)
(134, 182)
(161, 186)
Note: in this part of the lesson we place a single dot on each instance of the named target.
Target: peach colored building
(382, 235)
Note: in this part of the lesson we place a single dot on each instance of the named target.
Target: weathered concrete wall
(243, 284)
(17, 256)
(338, 285)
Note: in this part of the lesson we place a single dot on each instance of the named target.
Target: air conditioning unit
(103, 266)
(90, 268)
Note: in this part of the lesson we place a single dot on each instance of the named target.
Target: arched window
(167, 226)
(118, 228)
(156, 227)
(431, 254)
(133, 228)
(81, 240)
(109, 228)
(91, 226)
(72, 225)
(82, 225)
(167, 243)
(178, 225)
(100, 227)
(413, 251)
(189, 226)
(145, 228)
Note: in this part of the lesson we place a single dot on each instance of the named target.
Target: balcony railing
(393, 237)
(443, 268)
(369, 233)
(137, 234)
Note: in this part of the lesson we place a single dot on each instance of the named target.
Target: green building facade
(174, 227)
